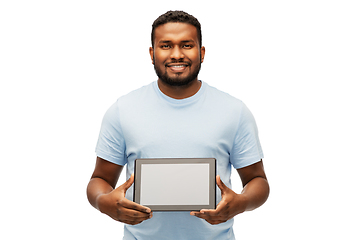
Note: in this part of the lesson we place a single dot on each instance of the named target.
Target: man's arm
(103, 196)
(254, 194)
(256, 187)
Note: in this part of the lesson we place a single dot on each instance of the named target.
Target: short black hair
(176, 16)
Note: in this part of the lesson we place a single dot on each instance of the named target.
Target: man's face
(177, 55)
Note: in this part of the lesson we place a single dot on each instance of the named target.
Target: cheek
(161, 56)
(194, 56)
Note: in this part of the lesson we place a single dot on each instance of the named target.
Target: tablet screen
(175, 184)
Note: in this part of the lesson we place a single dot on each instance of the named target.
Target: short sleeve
(246, 148)
(111, 144)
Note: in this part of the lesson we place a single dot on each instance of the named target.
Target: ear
(151, 51)
(202, 51)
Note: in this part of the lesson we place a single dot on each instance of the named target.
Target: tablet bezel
(212, 182)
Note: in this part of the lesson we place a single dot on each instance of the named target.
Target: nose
(177, 53)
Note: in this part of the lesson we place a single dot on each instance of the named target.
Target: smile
(177, 67)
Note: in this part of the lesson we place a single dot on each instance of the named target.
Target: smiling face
(177, 55)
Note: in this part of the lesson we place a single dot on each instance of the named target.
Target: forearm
(96, 188)
(256, 192)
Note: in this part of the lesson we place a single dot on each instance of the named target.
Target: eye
(165, 46)
(188, 46)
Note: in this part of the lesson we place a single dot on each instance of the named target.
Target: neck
(180, 92)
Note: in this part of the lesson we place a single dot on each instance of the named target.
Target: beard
(178, 80)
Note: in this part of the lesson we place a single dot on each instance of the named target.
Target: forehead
(175, 32)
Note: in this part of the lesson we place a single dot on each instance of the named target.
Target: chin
(176, 82)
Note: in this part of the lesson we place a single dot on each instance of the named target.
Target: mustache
(178, 62)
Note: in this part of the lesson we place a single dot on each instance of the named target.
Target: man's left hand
(230, 205)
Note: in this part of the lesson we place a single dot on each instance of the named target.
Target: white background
(294, 63)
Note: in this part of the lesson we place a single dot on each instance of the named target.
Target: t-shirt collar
(184, 101)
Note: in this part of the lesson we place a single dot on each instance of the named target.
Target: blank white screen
(174, 184)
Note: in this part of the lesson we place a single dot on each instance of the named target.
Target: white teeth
(178, 66)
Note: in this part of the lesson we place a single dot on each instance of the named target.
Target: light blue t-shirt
(148, 124)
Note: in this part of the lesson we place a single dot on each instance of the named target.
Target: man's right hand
(115, 205)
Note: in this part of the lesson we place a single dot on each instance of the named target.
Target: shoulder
(136, 99)
(137, 94)
(222, 98)
(127, 101)
(229, 106)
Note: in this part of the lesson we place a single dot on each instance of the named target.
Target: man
(178, 116)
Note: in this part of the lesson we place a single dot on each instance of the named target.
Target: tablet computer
(175, 184)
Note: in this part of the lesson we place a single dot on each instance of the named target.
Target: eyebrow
(168, 41)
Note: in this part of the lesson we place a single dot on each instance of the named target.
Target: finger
(214, 212)
(220, 184)
(126, 185)
(210, 216)
(210, 213)
(205, 214)
(134, 220)
(134, 214)
(134, 206)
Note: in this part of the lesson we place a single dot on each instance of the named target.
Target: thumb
(126, 185)
(220, 184)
